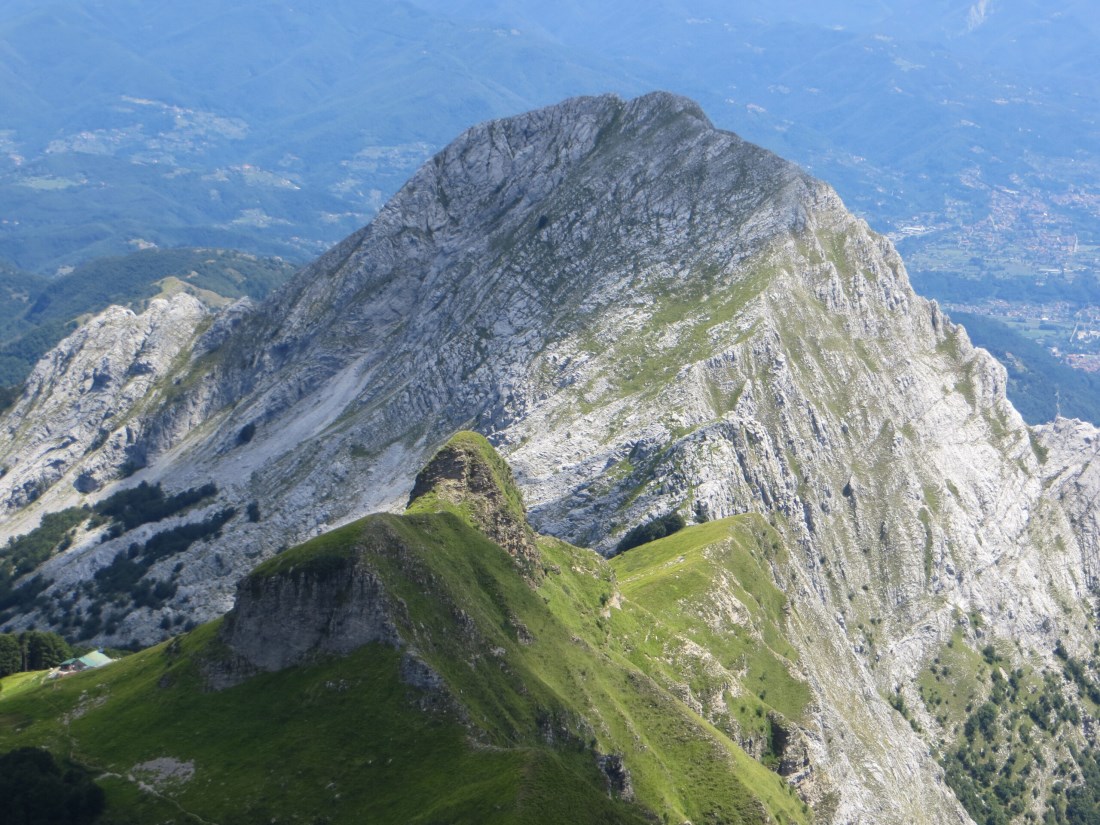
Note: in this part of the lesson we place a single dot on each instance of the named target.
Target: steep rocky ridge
(469, 476)
(646, 314)
(430, 317)
(72, 425)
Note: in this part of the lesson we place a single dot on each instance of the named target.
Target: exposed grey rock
(81, 411)
(1071, 474)
(617, 775)
(645, 314)
(293, 616)
(419, 674)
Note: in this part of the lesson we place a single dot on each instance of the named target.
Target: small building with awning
(97, 658)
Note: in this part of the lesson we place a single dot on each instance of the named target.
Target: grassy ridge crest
(541, 681)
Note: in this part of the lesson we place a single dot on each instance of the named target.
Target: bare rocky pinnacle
(462, 475)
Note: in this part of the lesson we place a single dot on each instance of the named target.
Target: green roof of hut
(95, 659)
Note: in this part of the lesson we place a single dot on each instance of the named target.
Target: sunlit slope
(539, 680)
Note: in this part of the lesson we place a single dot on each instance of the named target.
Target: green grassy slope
(672, 584)
(540, 681)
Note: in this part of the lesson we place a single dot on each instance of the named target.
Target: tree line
(31, 650)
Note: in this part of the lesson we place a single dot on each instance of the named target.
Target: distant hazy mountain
(964, 129)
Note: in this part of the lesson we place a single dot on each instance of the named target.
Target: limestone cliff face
(645, 314)
(333, 605)
(1071, 476)
(81, 411)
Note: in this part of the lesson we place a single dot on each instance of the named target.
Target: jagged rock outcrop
(646, 314)
(329, 599)
(469, 474)
(283, 620)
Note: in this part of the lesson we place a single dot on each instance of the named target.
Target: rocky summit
(646, 315)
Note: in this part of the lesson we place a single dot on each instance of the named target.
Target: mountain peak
(649, 315)
(467, 475)
(661, 103)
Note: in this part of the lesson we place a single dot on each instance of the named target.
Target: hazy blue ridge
(280, 130)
